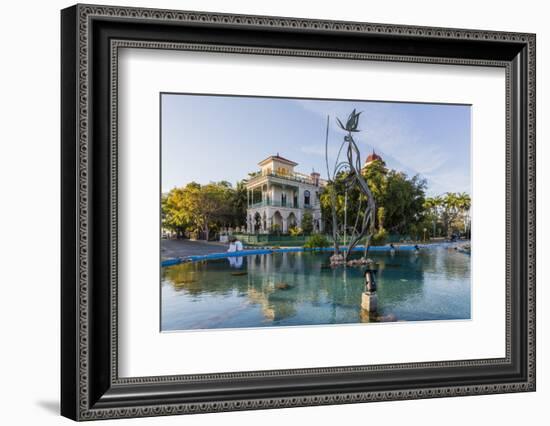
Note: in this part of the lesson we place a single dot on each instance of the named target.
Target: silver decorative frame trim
(85, 14)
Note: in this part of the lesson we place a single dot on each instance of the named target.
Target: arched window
(307, 198)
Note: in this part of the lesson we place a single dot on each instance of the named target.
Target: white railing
(295, 177)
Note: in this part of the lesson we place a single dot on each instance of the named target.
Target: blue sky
(213, 138)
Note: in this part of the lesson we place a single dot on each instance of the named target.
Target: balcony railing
(287, 204)
(295, 177)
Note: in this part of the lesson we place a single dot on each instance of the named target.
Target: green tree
(307, 223)
(316, 241)
(204, 208)
(399, 199)
(403, 201)
(347, 207)
(214, 207)
(454, 208)
(381, 216)
(173, 213)
(376, 175)
(432, 214)
(239, 204)
(450, 210)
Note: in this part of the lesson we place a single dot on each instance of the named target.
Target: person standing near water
(234, 245)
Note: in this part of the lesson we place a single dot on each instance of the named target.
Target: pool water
(290, 289)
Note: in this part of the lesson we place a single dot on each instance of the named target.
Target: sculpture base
(369, 301)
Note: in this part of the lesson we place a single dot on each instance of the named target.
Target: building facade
(278, 197)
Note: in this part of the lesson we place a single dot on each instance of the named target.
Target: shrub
(295, 231)
(307, 223)
(317, 241)
(276, 229)
(380, 238)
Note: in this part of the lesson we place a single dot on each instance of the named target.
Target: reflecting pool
(290, 289)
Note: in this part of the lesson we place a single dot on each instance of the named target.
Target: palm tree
(455, 205)
(464, 204)
(433, 205)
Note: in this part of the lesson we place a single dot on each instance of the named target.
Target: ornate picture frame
(91, 37)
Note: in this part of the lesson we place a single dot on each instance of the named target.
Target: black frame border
(90, 387)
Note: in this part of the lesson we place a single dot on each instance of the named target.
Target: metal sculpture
(370, 282)
(349, 167)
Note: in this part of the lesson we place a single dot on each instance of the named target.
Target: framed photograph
(263, 212)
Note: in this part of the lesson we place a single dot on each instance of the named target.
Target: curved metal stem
(364, 221)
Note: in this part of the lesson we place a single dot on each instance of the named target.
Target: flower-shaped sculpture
(350, 167)
(352, 123)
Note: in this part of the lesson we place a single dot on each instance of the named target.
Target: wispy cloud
(429, 140)
(399, 140)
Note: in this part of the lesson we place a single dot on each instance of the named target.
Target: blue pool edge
(386, 248)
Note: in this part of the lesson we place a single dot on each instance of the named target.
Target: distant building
(372, 158)
(278, 197)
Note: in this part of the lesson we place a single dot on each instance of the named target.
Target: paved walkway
(170, 249)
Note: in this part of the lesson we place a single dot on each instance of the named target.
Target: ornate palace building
(278, 197)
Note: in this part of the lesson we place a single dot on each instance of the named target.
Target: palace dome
(373, 157)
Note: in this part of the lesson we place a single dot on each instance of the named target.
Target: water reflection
(235, 262)
(301, 289)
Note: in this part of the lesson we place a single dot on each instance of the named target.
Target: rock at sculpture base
(338, 260)
(283, 286)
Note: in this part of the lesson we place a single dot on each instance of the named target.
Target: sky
(208, 138)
